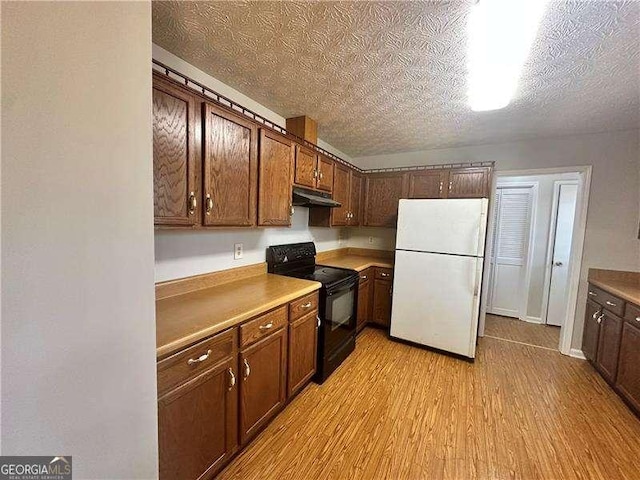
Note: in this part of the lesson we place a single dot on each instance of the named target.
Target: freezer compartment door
(436, 300)
(455, 226)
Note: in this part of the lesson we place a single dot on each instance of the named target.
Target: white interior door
(565, 209)
(508, 260)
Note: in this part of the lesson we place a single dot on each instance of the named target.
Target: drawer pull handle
(593, 294)
(611, 304)
(267, 326)
(600, 318)
(247, 369)
(384, 274)
(306, 305)
(363, 277)
(201, 358)
(232, 379)
(318, 319)
(193, 203)
(637, 319)
(595, 315)
(209, 204)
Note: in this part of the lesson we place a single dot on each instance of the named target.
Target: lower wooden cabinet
(591, 330)
(303, 344)
(381, 309)
(609, 345)
(365, 288)
(628, 378)
(213, 399)
(263, 392)
(198, 424)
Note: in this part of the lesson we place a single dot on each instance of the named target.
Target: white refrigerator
(438, 273)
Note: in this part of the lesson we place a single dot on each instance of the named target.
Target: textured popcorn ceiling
(383, 77)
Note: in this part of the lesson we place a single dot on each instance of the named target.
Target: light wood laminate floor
(392, 411)
(516, 330)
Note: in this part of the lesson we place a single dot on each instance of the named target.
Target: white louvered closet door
(512, 210)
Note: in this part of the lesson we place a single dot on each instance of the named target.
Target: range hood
(310, 198)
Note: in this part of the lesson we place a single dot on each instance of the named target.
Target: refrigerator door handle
(478, 279)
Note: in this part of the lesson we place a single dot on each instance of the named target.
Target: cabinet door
(628, 380)
(468, 183)
(174, 155)
(230, 168)
(364, 300)
(306, 167)
(325, 174)
(198, 424)
(382, 193)
(341, 179)
(381, 314)
(427, 183)
(275, 179)
(591, 331)
(355, 195)
(609, 346)
(303, 345)
(263, 387)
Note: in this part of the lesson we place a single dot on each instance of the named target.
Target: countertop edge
(175, 346)
(615, 291)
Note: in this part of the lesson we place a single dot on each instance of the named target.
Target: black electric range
(337, 307)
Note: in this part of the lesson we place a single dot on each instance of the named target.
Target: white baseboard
(576, 353)
(532, 319)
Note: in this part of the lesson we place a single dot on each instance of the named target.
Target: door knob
(557, 264)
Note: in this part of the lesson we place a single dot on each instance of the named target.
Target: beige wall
(78, 328)
(611, 239)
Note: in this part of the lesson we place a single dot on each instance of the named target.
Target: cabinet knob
(209, 204)
(599, 320)
(247, 369)
(321, 175)
(193, 203)
(315, 174)
(441, 185)
(637, 319)
(291, 210)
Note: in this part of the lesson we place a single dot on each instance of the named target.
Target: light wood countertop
(625, 285)
(357, 262)
(182, 320)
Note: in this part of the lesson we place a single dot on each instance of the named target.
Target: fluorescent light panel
(500, 36)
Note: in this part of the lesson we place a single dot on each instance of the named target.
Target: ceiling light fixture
(500, 36)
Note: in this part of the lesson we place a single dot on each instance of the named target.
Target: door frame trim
(577, 244)
(551, 240)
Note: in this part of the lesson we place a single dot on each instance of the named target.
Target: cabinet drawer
(632, 314)
(365, 275)
(302, 306)
(262, 326)
(190, 362)
(608, 301)
(384, 273)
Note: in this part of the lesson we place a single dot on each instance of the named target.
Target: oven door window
(340, 309)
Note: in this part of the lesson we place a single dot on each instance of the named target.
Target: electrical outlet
(237, 251)
(370, 239)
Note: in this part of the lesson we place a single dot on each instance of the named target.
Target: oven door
(339, 322)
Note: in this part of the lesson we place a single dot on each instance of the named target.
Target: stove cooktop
(326, 275)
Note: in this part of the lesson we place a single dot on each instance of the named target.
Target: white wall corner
(577, 353)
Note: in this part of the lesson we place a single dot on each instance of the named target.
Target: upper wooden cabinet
(175, 152)
(325, 173)
(428, 183)
(313, 170)
(469, 182)
(275, 179)
(341, 179)
(382, 193)
(355, 199)
(230, 168)
(306, 171)
(474, 182)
